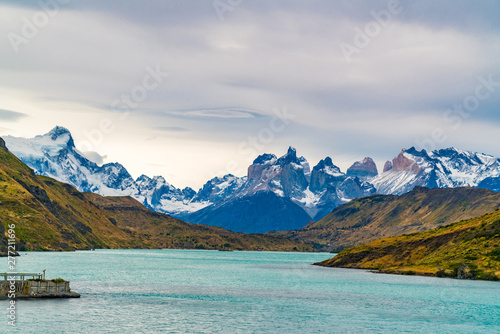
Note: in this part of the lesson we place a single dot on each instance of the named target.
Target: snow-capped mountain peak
(286, 181)
(265, 159)
(289, 157)
(445, 168)
(50, 144)
(326, 165)
(54, 154)
(59, 131)
(286, 176)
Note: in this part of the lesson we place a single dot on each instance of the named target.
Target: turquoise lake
(188, 291)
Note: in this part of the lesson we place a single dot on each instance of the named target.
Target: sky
(191, 90)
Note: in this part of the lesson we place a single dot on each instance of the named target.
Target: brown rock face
(255, 171)
(363, 169)
(387, 166)
(260, 164)
(2, 144)
(402, 163)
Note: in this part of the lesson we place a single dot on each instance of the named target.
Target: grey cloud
(461, 14)
(215, 113)
(171, 128)
(8, 115)
(95, 157)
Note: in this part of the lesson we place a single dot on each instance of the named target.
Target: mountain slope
(467, 249)
(282, 194)
(316, 192)
(257, 213)
(55, 155)
(446, 168)
(50, 215)
(289, 177)
(381, 216)
(157, 230)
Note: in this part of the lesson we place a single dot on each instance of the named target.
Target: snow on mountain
(50, 144)
(219, 188)
(157, 194)
(289, 177)
(445, 168)
(54, 155)
(316, 193)
(271, 184)
(286, 176)
(329, 188)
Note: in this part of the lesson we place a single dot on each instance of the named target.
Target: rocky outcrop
(262, 162)
(286, 176)
(387, 166)
(2, 144)
(364, 170)
(325, 174)
(402, 163)
(309, 195)
(353, 187)
(293, 174)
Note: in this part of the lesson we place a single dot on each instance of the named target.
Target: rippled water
(182, 291)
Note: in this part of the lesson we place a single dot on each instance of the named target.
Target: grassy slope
(381, 216)
(50, 215)
(467, 249)
(156, 230)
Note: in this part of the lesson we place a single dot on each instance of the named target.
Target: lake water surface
(187, 291)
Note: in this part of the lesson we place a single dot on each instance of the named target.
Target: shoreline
(410, 273)
(44, 296)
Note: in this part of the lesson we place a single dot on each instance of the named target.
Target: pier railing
(21, 276)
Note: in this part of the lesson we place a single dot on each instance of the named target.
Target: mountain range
(446, 168)
(51, 215)
(278, 193)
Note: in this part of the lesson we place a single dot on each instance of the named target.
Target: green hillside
(380, 216)
(50, 215)
(157, 230)
(467, 249)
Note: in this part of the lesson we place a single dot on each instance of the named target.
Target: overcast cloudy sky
(345, 79)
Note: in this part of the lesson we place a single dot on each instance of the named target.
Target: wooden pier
(22, 276)
(33, 285)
